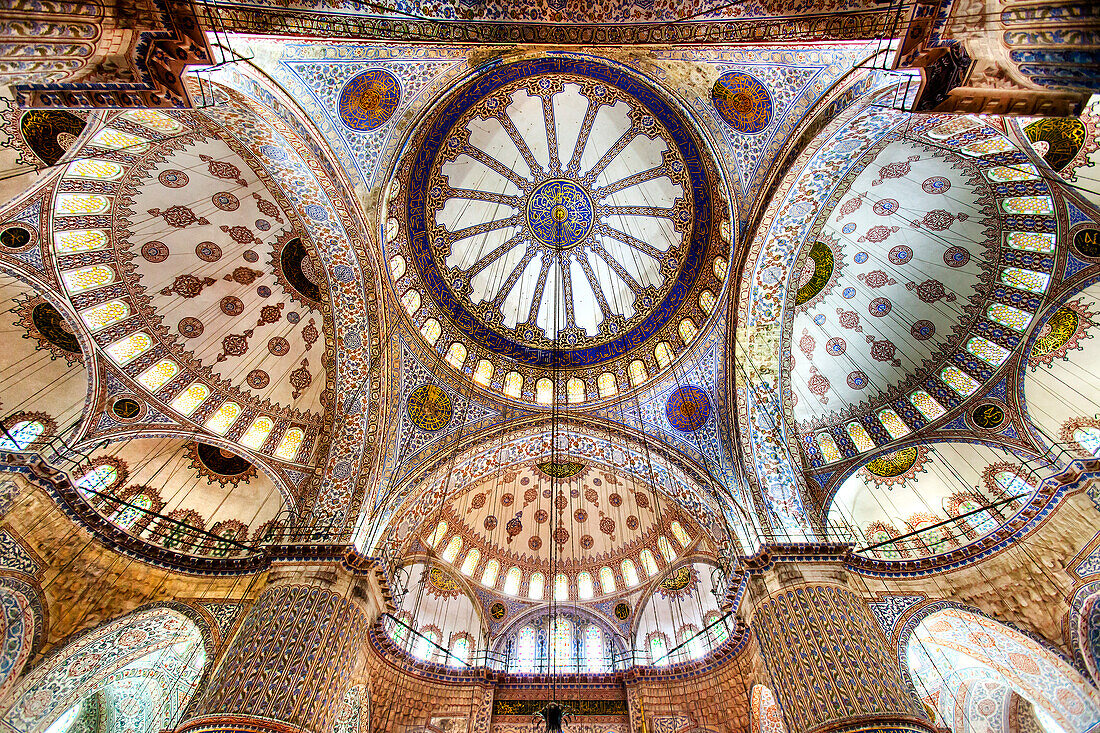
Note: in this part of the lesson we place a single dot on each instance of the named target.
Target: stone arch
(169, 642)
(766, 715)
(23, 616)
(944, 647)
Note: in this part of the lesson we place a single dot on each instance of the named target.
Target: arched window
(607, 385)
(127, 349)
(561, 587)
(456, 355)
(65, 722)
(1006, 315)
(431, 331)
(469, 565)
(460, 652)
(688, 331)
(399, 629)
(1012, 483)
(637, 372)
(104, 170)
(926, 404)
(79, 240)
(662, 352)
(77, 281)
(189, 399)
(483, 373)
(959, 381)
(595, 656)
(99, 478)
(658, 650)
(437, 536)
(574, 388)
(859, 436)
(630, 573)
(511, 581)
(128, 516)
(607, 580)
(992, 354)
(878, 534)
(489, 576)
(893, 423)
(426, 643)
(692, 639)
(411, 301)
(292, 440)
(982, 521)
(257, 432)
(666, 548)
(934, 539)
(453, 548)
(680, 535)
(513, 385)
(649, 563)
(526, 650)
(158, 375)
(397, 266)
(544, 391)
(22, 435)
(720, 267)
(584, 585)
(1088, 438)
(223, 418)
(105, 314)
(1029, 280)
(829, 451)
(707, 301)
(535, 586)
(715, 627)
(561, 645)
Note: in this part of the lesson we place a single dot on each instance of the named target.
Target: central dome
(559, 213)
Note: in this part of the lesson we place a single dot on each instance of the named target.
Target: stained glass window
(86, 278)
(483, 372)
(689, 636)
(397, 266)
(400, 630)
(707, 301)
(1017, 172)
(469, 564)
(513, 385)
(926, 404)
(934, 538)
(128, 516)
(154, 120)
(1089, 439)
(720, 267)
(666, 548)
(1032, 241)
(607, 580)
(489, 575)
(649, 563)
(158, 375)
(92, 168)
(678, 532)
(715, 626)
(129, 348)
(953, 127)
(79, 240)
(607, 385)
(859, 436)
(544, 391)
(70, 204)
(526, 650)
(431, 331)
(663, 354)
(637, 372)
(1028, 205)
(658, 650)
(886, 552)
(829, 451)
(989, 146)
(1006, 315)
(452, 549)
(99, 478)
(456, 355)
(22, 435)
(893, 423)
(425, 646)
(190, 398)
(595, 657)
(411, 301)
(223, 418)
(688, 331)
(257, 432)
(584, 585)
(982, 521)
(292, 440)
(105, 314)
(630, 573)
(574, 388)
(1035, 282)
(535, 586)
(460, 652)
(511, 581)
(1012, 483)
(959, 381)
(989, 352)
(561, 587)
(113, 139)
(561, 644)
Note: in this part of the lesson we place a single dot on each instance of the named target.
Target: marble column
(301, 648)
(831, 669)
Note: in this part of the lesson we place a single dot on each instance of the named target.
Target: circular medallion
(900, 255)
(936, 184)
(190, 327)
(857, 380)
(225, 201)
(742, 101)
(219, 464)
(552, 250)
(154, 251)
(208, 251)
(988, 416)
(173, 179)
(368, 100)
(15, 237)
(687, 409)
(126, 409)
(955, 256)
(257, 379)
(1087, 243)
(429, 407)
(498, 611)
(54, 328)
(622, 610)
(922, 330)
(559, 213)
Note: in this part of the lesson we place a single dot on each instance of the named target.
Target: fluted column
(302, 646)
(831, 668)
